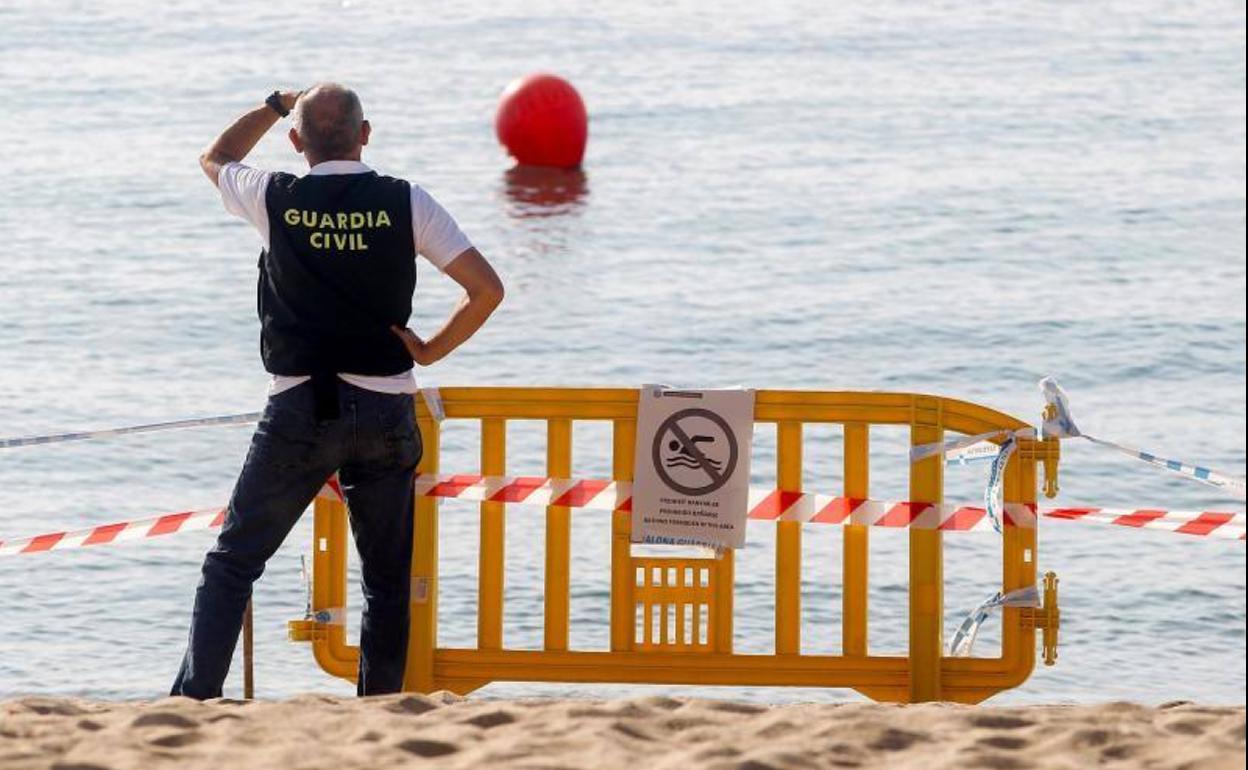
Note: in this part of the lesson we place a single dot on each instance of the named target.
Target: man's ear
(366, 129)
(295, 140)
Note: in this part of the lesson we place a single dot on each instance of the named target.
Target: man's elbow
(212, 160)
(209, 164)
(494, 293)
(488, 294)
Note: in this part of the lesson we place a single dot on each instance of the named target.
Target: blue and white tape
(980, 447)
(983, 452)
(198, 422)
(966, 449)
(963, 640)
(994, 493)
(924, 451)
(1061, 424)
(431, 395)
(1058, 423)
(433, 400)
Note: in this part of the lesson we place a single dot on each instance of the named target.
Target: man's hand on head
(236, 141)
(416, 347)
(289, 99)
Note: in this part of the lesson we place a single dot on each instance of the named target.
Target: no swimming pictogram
(694, 451)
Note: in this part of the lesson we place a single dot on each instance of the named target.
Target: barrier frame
(924, 674)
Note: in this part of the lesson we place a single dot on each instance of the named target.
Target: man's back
(339, 271)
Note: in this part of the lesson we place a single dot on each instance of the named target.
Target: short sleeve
(243, 191)
(437, 236)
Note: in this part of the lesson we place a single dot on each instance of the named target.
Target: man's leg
(291, 456)
(377, 482)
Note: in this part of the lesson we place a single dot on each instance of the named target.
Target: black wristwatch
(275, 101)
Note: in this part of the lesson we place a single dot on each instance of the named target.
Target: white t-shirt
(437, 238)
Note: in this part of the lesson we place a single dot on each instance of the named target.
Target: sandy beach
(658, 733)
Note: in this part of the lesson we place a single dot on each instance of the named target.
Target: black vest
(340, 269)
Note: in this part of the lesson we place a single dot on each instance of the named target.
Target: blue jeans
(374, 446)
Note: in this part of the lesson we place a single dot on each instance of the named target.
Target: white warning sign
(692, 479)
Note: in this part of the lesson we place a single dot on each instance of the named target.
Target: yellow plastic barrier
(700, 590)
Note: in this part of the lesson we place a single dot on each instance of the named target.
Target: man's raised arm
(483, 292)
(243, 134)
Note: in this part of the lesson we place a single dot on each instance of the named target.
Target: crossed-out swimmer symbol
(687, 455)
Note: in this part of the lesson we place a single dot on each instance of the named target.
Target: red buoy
(541, 121)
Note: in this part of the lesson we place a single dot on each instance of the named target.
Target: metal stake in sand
(249, 679)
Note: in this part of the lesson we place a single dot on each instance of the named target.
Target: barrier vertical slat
(680, 607)
(1019, 562)
(558, 537)
(422, 642)
(695, 624)
(329, 572)
(647, 635)
(623, 577)
(664, 613)
(331, 561)
(855, 562)
(493, 538)
(789, 543)
(720, 631)
(926, 564)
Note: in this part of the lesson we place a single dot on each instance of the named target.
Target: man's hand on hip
(483, 292)
(416, 347)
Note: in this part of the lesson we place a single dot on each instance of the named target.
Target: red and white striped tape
(606, 495)
(764, 504)
(105, 534)
(1219, 524)
(139, 529)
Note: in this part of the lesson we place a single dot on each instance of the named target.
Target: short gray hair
(328, 119)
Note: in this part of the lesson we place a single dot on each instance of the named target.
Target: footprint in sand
(1007, 742)
(735, 708)
(490, 719)
(631, 730)
(424, 748)
(1188, 727)
(51, 706)
(164, 719)
(1001, 722)
(176, 740)
(412, 704)
(893, 739)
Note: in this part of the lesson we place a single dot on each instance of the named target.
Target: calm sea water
(955, 198)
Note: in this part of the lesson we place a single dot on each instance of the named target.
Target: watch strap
(274, 101)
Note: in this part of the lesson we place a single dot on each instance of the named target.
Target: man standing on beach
(337, 276)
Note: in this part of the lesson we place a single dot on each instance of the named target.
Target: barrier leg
(789, 543)
(724, 586)
(493, 540)
(926, 568)
(623, 607)
(329, 587)
(1018, 644)
(855, 552)
(422, 639)
(558, 538)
